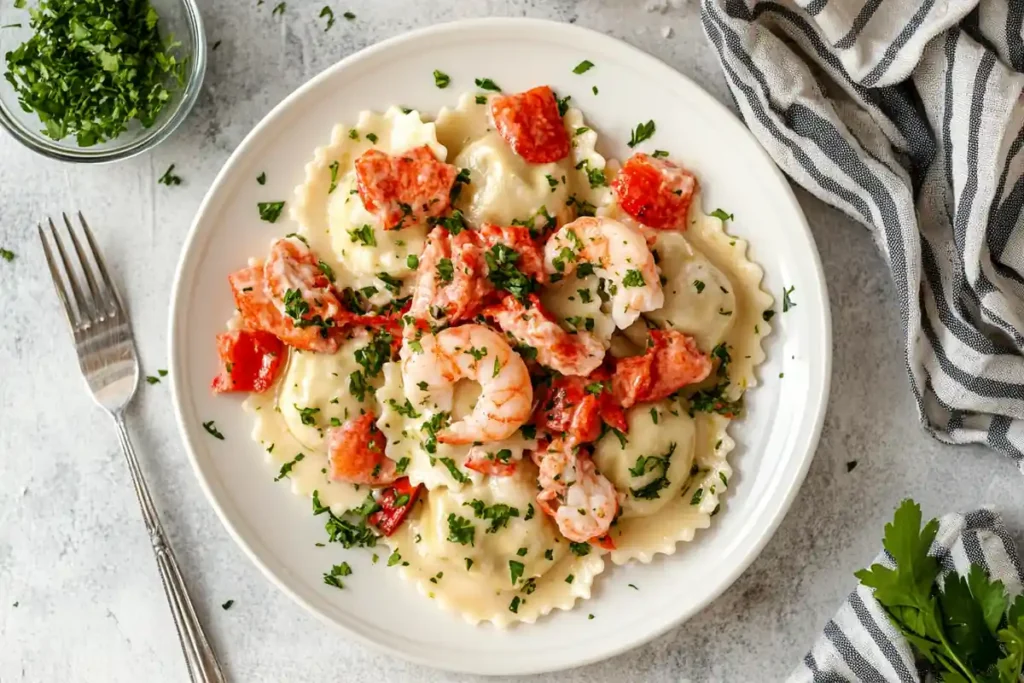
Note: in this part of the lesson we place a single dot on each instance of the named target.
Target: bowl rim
(776, 509)
(151, 138)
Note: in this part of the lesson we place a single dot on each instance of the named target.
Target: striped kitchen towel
(861, 644)
(906, 114)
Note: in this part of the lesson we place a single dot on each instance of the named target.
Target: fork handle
(199, 657)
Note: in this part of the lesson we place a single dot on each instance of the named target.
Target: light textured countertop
(80, 599)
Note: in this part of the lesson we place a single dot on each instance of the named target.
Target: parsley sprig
(963, 629)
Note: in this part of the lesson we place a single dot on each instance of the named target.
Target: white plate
(776, 439)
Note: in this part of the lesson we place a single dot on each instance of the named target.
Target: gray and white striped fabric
(906, 115)
(860, 643)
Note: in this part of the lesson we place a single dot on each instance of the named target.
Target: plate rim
(806, 450)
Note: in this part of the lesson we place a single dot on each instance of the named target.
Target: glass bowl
(178, 18)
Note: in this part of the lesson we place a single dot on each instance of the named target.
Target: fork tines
(96, 301)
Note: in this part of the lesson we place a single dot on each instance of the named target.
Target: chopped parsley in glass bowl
(93, 81)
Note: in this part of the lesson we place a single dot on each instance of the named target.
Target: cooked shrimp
(570, 354)
(451, 280)
(671, 362)
(618, 254)
(433, 364)
(355, 453)
(582, 502)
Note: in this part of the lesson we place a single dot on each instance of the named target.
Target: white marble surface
(79, 594)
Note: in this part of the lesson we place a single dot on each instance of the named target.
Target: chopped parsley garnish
(721, 352)
(326, 270)
(441, 79)
(570, 578)
(654, 416)
(643, 131)
(529, 512)
(497, 367)
(583, 67)
(211, 429)
(714, 400)
(549, 555)
(334, 177)
(394, 558)
(169, 177)
(402, 465)
(563, 104)
(357, 385)
(787, 302)
(585, 296)
(552, 181)
(513, 606)
(306, 415)
(353, 134)
(594, 89)
(460, 530)
(227, 605)
(92, 68)
(287, 467)
(372, 137)
(344, 531)
(721, 215)
(515, 570)
(481, 99)
(579, 549)
(364, 235)
(583, 207)
(394, 285)
(503, 274)
(768, 315)
(431, 427)
(453, 469)
(270, 211)
(698, 285)
(405, 409)
(6, 254)
(445, 270)
(374, 355)
(349, 15)
(469, 563)
(278, 8)
(487, 84)
(634, 278)
(477, 354)
(659, 154)
(580, 131)
(156, 380)
(498, 514)
(697, 496)
(650, 463)
(329, 13)
(333, 577)
(412, 261)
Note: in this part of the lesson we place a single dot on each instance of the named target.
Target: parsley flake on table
(212, 430)
(644, 131)
(487, 84)
(270, 211)
(441, 79)
(583, 67)
(278, 8)
(227, 605)
(6, 254)
(349, 15)
(169, 178)
(91, 68)
(329, 13)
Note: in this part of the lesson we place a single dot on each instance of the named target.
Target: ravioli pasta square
(501, 354)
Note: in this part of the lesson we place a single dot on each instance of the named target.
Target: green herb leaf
(721, 215)
(515, 570)
(329, 13)
(583, 67)
(270, 211)
(169, 178)
(643, 131)
(262, 178)
(487, 84)
(364, 235)
(211, 429)
(227, 605)
(278, 8)
(787, 302)
(460, 530)
(659, 154)
(441, 79)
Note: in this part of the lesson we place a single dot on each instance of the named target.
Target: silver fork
(106, 355)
